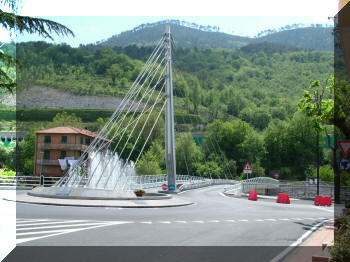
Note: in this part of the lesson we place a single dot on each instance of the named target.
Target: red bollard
(318, 200)
(328, 200)
(283, 198)
(253, 195)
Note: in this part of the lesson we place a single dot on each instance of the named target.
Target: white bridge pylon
(109, 161)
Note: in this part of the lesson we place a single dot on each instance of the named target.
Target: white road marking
(183, 222)
(214, 221)
(67, 225)
(48, 223)
(30, 220)
(198, 221)
(309, 218)
(270, 219)
(297, 218)
(146, 222)
(259, 220)
(230, 220)
(243, 220)
(165, 222)
(284, 219)
(22, 240)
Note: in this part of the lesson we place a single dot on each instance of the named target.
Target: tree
(148, 164)
(17, 23)
(65, 119)
(187, 154)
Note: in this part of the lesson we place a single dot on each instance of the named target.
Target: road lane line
(19, 241)
(67, 225)
(259, 220)
(230, 220)
(183, 222)
(48, 223)
(164, 222)
(198, 221)
(284, 219)
(270, 219)
(214, 221)
(146, 222)
(30, 220)
(243, 220)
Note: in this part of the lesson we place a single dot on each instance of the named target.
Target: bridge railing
(253, 184)
(26, 181)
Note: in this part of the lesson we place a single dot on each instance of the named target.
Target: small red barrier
(283, 198)
(253, 195)
(318, 201)
(328, 200)
(323, 201)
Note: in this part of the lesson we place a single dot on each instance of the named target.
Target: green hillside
(185, 35)
(317, 38)
(256, 83)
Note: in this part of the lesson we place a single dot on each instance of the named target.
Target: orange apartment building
(57, 143)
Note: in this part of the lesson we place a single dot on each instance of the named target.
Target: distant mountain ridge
(184, 36)
(191, 35)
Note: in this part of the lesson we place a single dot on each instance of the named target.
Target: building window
(64, 140)
(46, 154)
(87, 141)
(81, 140)
(47, 139)
(63, 154)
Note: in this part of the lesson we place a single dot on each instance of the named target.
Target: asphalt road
(214, 220)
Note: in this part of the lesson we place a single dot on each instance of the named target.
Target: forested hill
(317, 38)
(196, 36)
(256, 83)
(185, 35)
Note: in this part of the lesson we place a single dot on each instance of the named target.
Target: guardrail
(27, 181)
(184, 182)
(254, 184)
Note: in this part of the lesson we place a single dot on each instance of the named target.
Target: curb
(99, 205)
(281, 256)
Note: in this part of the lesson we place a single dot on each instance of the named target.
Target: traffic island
(98, 198)
(125, 203)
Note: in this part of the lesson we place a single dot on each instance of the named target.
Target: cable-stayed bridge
(110, 160)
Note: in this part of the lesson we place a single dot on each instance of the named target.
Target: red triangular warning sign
(344, 146)
(247, 167)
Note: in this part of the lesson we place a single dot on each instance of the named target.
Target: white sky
(243, 17)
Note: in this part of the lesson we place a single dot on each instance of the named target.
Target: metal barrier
(184, 182)
(27, 181)
(253, 184)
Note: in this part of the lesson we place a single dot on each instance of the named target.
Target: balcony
(79, 147)
(47, 162)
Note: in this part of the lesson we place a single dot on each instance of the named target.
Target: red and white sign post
(247, 169)
(165, 187)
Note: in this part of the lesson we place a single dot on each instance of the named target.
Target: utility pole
(169, 118)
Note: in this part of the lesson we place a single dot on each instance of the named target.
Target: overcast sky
(92, 21)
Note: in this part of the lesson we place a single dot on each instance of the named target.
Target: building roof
(67, 130)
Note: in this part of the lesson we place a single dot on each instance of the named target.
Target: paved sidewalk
(313, 245)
